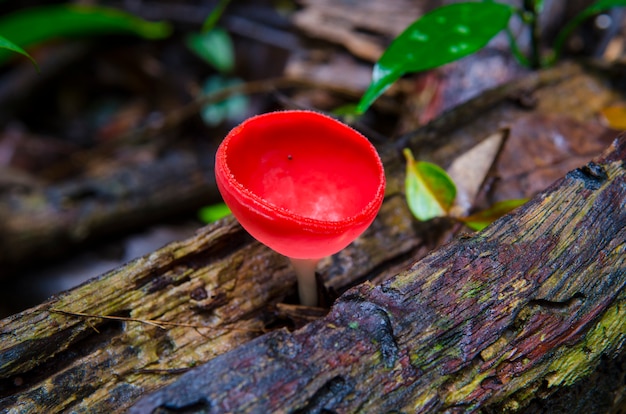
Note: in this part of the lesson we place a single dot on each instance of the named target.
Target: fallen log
(47, 223)
(528, 307)
(52, 221)
(102, 345)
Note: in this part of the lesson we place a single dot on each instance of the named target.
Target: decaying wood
(340, 22)
(221, 288)
(52, 220)
(45, 222)
(530, 306)
(510, 327)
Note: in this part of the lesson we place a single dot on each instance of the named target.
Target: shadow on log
(541, 325)
(528, 307)
(46, 223)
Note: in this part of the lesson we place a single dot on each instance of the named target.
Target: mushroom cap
(302, 183)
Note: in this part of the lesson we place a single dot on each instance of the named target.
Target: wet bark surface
(528, 307)
(537, 313)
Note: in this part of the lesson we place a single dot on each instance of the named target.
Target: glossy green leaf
(8, 45)
(597, 7)
(348, 109)
(212, 213)
(484, 218)
(215, 47)
(444, 35)
(28, 27)
(429, 190)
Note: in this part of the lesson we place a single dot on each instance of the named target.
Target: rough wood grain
(47, 222)
(220, 287)
(530, 306)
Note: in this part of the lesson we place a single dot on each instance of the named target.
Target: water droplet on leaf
(419, 36)
(462, 29)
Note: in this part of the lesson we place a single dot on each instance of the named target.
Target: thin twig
(158, 324)
(175, 118)
(159, 371)
(530, 6)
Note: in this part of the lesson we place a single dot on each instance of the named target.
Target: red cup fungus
(302, 183)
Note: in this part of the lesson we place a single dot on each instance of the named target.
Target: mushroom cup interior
(302, 168)
(311, 169)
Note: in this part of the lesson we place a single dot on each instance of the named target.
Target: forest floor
(75, 137)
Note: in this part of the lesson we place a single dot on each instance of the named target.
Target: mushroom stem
(307, 284)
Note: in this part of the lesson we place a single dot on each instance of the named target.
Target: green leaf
(348, 109)
(597, 7)
(539, 5)
(215, 47)
(8, 45)
(515, 50)
(31, 26)
(214, 16)
(233, 108)
(212, 213)
(603, 5)
(444, 35)
(483, 218)
(429, 190)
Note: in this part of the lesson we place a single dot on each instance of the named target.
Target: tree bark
(199, 297)
(529, 307)
(50, 222)
(196, 299)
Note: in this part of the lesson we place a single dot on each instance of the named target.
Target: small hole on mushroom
(289, 157)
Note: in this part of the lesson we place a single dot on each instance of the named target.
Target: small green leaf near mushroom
(482, 219)
(430, 192)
